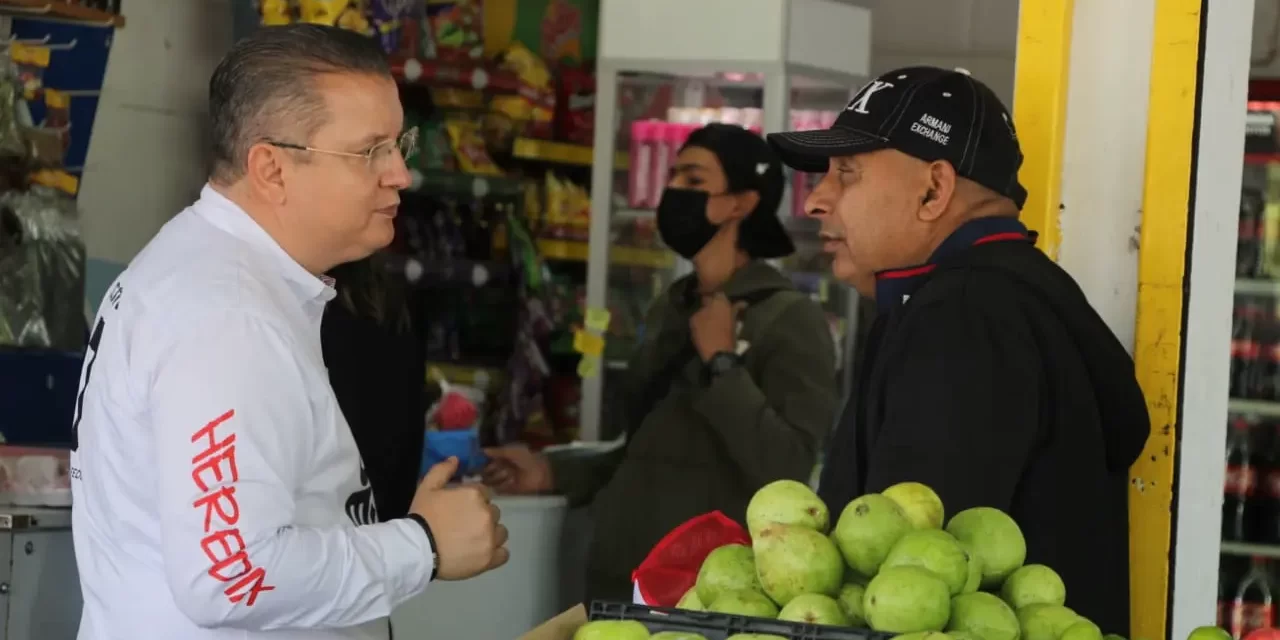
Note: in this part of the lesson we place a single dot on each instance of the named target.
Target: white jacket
(217, 490)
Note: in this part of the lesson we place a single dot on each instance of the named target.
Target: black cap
(750, 165)
(925, 112)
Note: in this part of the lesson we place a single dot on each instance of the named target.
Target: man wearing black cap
(987, 375)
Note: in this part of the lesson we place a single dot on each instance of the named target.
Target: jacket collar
(755, 277)
(219, 211)
(896, 286)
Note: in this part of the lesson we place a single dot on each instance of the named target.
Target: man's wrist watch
(720, 363)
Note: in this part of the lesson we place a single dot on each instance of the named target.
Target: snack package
(568, 214)
(325, 12)
(453, 30)
(386, 22)
(275, 12)
(468, 147)
(562, 32)
(57, 106)
(353, 19)
(533, 76)
(576, 106)
(532, 71)
(578, 207)
(47, 144)
(527, 118)
(32, 62)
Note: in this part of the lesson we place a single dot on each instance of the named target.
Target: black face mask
(682, 221)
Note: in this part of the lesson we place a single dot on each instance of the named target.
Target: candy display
(452, 30)
(497, 220)
(568, 210)
(32, 60)
(575, 106)
(562, 30)
(469, 148)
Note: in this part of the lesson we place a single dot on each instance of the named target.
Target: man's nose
(817, 203)
(397, 176)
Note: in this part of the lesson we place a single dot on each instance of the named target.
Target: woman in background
(377, 368)
(733, 386)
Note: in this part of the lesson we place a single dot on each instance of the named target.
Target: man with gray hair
(218, 492)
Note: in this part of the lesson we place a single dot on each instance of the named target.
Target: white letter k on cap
(859, 102)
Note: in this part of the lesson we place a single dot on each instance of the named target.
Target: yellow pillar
(1040, 111)
(1166, 207)
(1041, 84)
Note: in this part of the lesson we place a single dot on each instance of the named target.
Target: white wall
(978, 35)
(146, 158)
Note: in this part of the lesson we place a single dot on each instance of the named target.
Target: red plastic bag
(672, 566)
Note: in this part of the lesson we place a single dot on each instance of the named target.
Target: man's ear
(265, 171)
(941, 189)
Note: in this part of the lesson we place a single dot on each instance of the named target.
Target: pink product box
(642, 150)
(654, 146)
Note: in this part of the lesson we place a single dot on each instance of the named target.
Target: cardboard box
(560, 627)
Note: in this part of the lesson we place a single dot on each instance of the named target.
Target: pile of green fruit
(888, 565)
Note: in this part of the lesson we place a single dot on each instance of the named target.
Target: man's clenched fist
(469, 537)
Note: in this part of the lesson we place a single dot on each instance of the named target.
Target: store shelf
(438, 182)
(624, 256)
(1251, 550)
(60, 11)
(1265, 408)
(1261, 158)
(1257, 287)
(560, 152)
(481, 76)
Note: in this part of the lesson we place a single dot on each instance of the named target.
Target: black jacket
(990, 378)
(378, 375)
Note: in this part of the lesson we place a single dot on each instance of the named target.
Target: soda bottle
(1231, 570)
(1244, 348)
(1239, 520)
(1267, 506)
(1266, 335)
(1251, 607)
(1248, 243)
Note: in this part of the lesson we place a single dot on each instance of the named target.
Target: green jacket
(700, 447)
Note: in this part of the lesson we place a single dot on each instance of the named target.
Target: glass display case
(649, 98)
(1249, 567)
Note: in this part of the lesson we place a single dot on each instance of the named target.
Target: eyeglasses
(378, 158)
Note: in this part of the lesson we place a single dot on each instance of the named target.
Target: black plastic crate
(719, 626)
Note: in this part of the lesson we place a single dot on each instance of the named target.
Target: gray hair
(264, 87)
